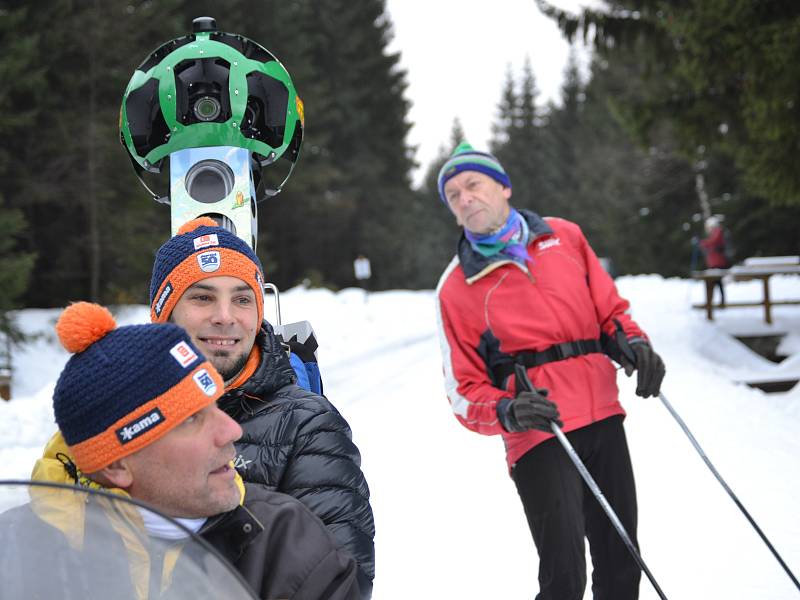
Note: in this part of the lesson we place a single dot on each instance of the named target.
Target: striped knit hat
(125, 387)
(201, 249)
(466, 158)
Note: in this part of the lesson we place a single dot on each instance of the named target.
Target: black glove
(638, 355)
(529, 410)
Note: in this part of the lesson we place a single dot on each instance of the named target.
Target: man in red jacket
(528, 290)
(715, 250)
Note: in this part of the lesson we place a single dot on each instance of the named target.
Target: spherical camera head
(209, 89)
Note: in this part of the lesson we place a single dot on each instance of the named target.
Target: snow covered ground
(449, 523)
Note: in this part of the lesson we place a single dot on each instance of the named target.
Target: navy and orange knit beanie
(201, 249)
(125, 387)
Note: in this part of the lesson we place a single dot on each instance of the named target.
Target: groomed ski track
(449, 524)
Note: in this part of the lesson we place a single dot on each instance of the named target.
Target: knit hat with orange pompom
(201, 249)
(125, 387)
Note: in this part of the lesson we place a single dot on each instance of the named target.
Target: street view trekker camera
(220, 114)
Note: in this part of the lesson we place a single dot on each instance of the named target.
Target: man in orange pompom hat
(208, 281)
(137, 414)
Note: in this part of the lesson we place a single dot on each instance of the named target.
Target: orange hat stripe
(176, 404)
(188, 272)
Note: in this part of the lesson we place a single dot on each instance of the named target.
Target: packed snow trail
(449, 523)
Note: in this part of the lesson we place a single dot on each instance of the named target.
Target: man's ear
(118, 474)
(507, 192)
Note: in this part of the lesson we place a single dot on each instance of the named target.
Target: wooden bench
(762, 268)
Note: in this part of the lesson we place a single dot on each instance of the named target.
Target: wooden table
(710, 277)
(763, 272)
(754, 269)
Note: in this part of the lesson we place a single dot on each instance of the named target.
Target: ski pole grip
(623, 344)
(524, 384)
(523, 381)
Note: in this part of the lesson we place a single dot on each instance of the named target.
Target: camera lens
(209, 181)
(222, 221)
(207, 108)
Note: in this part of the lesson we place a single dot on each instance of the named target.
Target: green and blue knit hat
(466, 158)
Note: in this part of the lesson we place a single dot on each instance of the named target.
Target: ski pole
(728, 489)
(525, 382)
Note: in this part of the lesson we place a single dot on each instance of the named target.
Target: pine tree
(16, 115)
(358, 112)
(507, 119)
(561, 136)
(437, 233)
(722, 73)
(91, 225)
(631, 202)
(15, 270)
(518, 143)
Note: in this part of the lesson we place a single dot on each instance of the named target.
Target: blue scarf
(511, 239)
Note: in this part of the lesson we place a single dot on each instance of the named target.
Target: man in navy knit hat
(137, 417)
(528, 290)
(209, 282)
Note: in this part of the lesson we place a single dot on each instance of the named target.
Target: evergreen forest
(688, 108)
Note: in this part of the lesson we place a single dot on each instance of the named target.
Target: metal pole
(525, 382)
(728, 489)
(274, 289)
(606, 506)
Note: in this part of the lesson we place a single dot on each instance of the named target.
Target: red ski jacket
(489, 309)
(714, 249)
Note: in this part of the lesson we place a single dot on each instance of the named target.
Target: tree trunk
(91, 166)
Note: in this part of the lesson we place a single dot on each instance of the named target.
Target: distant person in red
(715, 249)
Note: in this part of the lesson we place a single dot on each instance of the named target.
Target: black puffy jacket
(296, 442)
